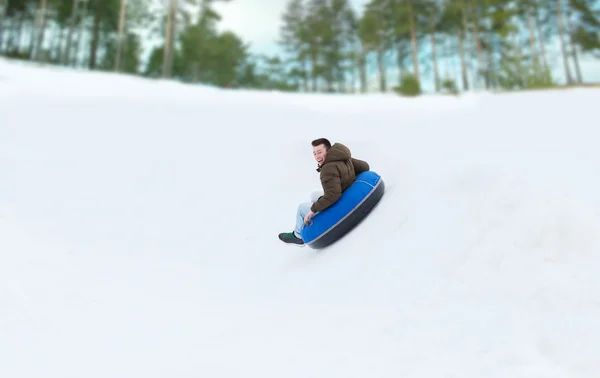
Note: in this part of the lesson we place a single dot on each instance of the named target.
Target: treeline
(497, 43)
(327, 46)
(109, 35)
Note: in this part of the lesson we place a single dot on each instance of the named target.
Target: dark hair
(320, 141)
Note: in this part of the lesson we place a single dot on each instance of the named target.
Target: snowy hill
(139, 221)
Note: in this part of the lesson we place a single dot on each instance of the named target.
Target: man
(338, 170)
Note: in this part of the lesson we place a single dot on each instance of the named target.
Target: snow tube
(353, 206)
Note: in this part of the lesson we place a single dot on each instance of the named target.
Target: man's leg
(303, 209)
(314, 196)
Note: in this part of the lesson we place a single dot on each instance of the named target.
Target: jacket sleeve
(332, 188)
(360, 166)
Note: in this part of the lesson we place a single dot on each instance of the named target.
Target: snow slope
(139, 221)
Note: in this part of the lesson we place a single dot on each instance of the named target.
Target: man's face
(320, 153)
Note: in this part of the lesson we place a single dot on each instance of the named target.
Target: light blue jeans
(303, 209)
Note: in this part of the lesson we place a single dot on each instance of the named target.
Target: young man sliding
(338, 171)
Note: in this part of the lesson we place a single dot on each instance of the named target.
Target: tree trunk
(22, 27)
(305, 64)
(400, 59)
(353, 68)
(37, 55)
(3, 33)
(96, 33)
(70, 34)
(341, 80)
(14, 40)
(329, 77)
(520, 74)
(563, 47)
(480, 55)
(314, 56)
(168, 51)
(2, 17)
(486, 73)
(541, 37)
(10, 43)
(35, 29)
(81, 30)
(573, 47)
(59, 45)
(532, 44)
(195, 72)
(447, 52)
(436, 73)
(413, 40)
(463, 38)
(20, 31)
(463, 62)
(120, 37)
(381, 69)
(362, 67)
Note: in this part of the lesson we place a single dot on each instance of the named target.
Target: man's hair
(320, 141)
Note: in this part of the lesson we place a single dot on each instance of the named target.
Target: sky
(258, 21)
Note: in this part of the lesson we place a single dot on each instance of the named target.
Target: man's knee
(314, 196)
(304, 208)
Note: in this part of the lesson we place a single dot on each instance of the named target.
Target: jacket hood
(337, 152)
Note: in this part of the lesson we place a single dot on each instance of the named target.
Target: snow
(139, 221)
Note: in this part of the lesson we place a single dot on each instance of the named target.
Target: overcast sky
(258, 21)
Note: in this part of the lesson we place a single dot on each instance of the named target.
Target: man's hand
(308, 216)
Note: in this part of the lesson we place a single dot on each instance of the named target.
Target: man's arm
(332, 188)
(360, 166)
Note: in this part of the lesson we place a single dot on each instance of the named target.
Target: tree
(327, 46)
(294, 39)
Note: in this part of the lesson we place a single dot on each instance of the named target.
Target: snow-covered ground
(139, 222)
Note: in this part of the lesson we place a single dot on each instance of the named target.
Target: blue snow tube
(353, 206)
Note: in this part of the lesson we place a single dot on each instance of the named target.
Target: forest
(326, 45)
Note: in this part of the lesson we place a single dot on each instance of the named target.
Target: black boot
(290, 237)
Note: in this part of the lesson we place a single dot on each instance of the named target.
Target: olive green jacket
(338, 172)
